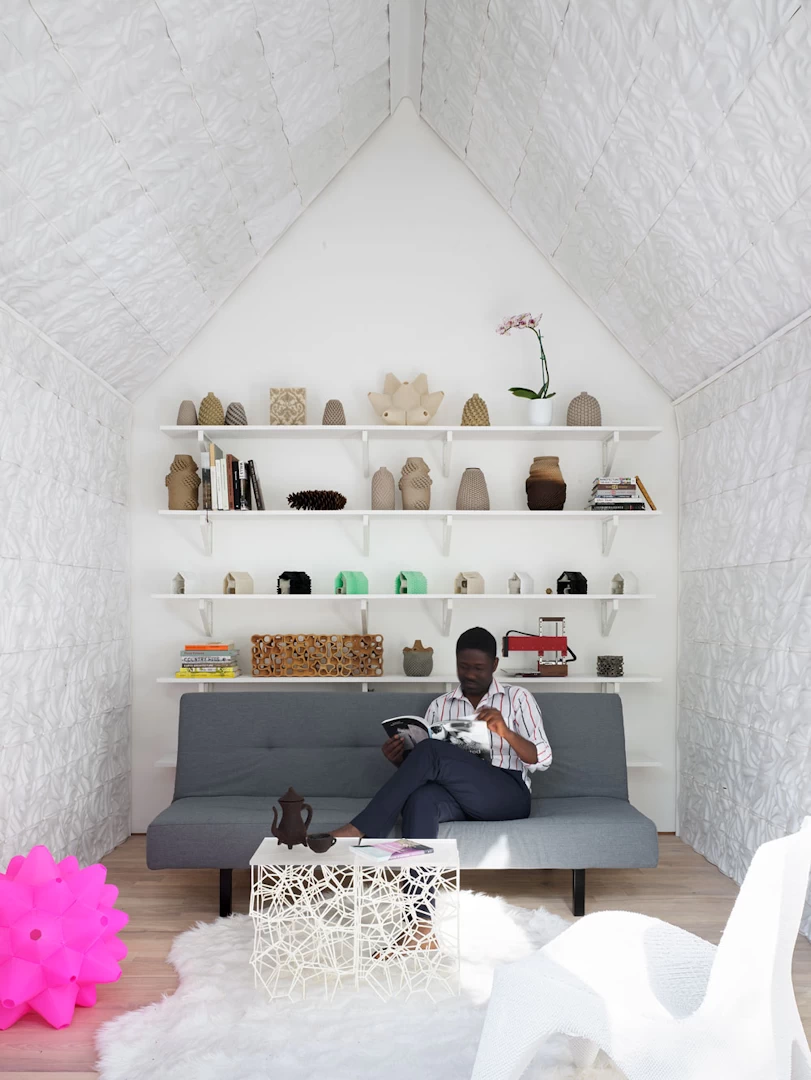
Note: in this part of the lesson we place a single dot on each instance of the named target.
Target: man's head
(476, 660)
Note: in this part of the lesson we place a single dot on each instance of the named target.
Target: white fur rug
(216, 1026)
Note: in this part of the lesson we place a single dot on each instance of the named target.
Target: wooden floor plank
(684, 889)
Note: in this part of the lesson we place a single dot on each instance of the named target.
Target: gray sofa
(238, 752)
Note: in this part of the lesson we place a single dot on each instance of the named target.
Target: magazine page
(469, 732)
(411, 728)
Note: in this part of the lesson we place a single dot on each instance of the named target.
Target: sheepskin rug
(217, 1026)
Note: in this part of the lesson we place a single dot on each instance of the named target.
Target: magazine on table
(469, 732)
(391, 850)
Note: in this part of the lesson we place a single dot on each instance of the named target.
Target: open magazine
(469, 732)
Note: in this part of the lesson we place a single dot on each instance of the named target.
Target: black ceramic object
(319, 842)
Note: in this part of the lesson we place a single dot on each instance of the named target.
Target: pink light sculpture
(58, 938)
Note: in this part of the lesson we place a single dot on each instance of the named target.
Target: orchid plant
(528, 322)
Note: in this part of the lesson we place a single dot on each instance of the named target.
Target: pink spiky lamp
(58, 938)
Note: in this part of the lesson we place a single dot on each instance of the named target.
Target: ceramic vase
(334, 414)
(475, 412)
(540, 412)
(418, 662)
(473, 494)
(210, 413)
(182, 481)
(382, 490)
(415, 485)
(187, 414)
(584, 411)
(546, 488)
(235, 415)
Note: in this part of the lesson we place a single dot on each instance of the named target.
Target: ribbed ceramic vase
(187, 414)
(415, 485)
(546, 488)
(383, 490)
(418, 662)
(235, 415)
(334, 413)
(473, 494)
(584, 411)
(182, 481)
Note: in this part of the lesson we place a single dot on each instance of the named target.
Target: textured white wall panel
(658, 154)
(151, 151)
(64, 621)
(745, 607)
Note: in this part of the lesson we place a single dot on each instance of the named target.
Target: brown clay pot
(546, 488)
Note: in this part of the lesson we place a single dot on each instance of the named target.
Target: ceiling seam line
(553, 57)
(741, 487)
(660, 215)
(189, 82)
(746, 566)
(63, 352)
(285, 136)
(114, 142)
(337, 80)
(478, 78)
(789, 326)
(751, 400)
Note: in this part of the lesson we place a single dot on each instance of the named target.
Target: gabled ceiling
(658, 153)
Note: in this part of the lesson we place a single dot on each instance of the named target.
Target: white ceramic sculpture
(406, 403)
(662, 1003)
(468, 582)
(520, 584)
(237, 583)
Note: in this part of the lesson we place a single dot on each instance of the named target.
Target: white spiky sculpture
(406, 403)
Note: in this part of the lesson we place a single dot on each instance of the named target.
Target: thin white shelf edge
(351, 431)
(169, 761)
(238, 515)
(398, 597)
(403, 679)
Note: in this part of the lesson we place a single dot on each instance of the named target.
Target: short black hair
(478, 638)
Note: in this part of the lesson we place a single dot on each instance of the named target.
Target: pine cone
(316, 500)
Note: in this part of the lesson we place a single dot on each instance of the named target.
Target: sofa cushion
(225, 830)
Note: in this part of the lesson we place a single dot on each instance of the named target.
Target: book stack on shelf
(211, 660)
(227, 482)
(616, 493)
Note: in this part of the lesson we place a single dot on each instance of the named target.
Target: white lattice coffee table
(343, 919)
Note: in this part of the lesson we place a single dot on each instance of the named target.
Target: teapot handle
(306, 806)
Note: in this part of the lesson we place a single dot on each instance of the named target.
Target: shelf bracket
(610, 446)
(607, 615)
(206, 609)
(610, 526)
(447, 533)
(364, 616)
(366, 537)
(447, 615)
(207, 531)
(447, 447)
(609, 688)
(364, 442)
(204, 688)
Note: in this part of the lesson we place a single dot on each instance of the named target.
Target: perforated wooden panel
(303, 655)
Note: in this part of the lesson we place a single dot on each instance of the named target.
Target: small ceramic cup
(320, 842)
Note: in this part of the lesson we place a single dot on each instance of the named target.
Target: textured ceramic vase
(475, 413)
(473, 493)
(182, 481)
(211, 413)
(415, 485)
(540, 412)
(546, 489)
(334, 413)
(235, 414)
(610, 667)
(584, 411)
(187, 414)
(383, 490)
(418, 662)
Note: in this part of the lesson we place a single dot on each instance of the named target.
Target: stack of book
(228, 483)
(616, 493)
(211, 660)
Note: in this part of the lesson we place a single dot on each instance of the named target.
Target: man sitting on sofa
(439, 780)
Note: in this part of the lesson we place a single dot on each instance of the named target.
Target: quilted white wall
(153, 150)
(745, 675)
(64, 620)
(658, 154)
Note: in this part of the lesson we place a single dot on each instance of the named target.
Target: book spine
(244, 486)
(235, 483)
(205, 478)
(229, 469)
(222, 481)
(257, 487)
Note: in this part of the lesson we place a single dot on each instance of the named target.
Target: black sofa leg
(579, 892)
(226, 882)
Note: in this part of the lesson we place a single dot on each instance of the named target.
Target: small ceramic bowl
(320, 842)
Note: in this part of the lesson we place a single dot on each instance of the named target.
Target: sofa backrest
(328, 743)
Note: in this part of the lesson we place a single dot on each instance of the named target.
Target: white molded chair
(663, 1003)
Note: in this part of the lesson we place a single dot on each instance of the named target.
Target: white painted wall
(64, 618)
(405, 263)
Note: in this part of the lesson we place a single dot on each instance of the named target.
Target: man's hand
(494, 720)
(394, 749)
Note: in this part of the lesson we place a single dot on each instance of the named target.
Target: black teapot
(292, 829)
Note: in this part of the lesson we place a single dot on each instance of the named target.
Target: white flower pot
(540, 412)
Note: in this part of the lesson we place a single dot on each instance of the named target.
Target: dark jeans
(442, 782)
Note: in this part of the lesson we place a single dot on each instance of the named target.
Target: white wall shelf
(609, 437)
(610, 522)
(609, 604)
(449, 681)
